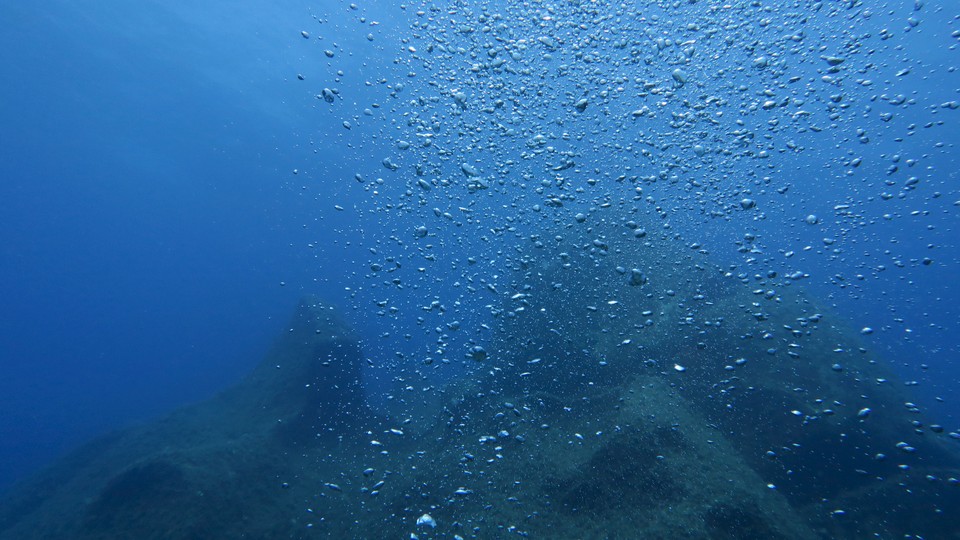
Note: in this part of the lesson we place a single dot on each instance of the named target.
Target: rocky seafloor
(688, 407)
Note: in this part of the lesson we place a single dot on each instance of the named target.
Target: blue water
(169, 188)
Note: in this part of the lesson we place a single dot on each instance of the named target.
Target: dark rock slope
(684, 406)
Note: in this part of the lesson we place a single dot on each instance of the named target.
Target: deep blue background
(145, 219)
(154, 236)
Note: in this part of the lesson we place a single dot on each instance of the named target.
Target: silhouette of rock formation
(686, 406)
(213, 469)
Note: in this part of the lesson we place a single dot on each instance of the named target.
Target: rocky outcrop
(680, 407)
(220, 466)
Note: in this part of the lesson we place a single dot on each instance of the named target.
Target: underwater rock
(210, 468)
(760, 369)
(586, 433)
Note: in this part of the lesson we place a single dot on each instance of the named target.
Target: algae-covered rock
(685, 406)
(211, 470)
